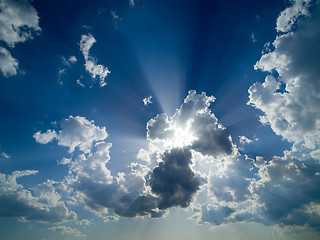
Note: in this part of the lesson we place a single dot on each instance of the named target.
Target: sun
(182, 135)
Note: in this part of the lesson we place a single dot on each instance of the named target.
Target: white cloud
(244, 140)
(72, 59)
(76, 132)
(60, 73)
(80, 83)
(46, 137)
(283, 190)
(42, 203)
(5, 155)
(194, 126)
(253, 37)
(290, 102)
(67, 230)
(115, 18)
(18, 21)
(147, 100)
(291, 15)
(144, 155)
(96, 70)
(131, 3)
(8, 64)
(90, 181)
(84, 222)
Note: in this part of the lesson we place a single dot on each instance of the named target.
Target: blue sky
(159, 119)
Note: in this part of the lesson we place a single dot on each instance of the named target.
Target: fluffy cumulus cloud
(283, 190)
(90, 181)
(290, 102)
(95, 70)
(42, 203)
(191, 160)
(75, 132)
(18, 23)
(164, 177)
(8, 64)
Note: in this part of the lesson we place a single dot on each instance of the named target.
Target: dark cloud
(173, 180)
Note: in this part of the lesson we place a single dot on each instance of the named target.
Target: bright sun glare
(182, 136)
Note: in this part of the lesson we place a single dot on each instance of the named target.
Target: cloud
(244, 140)
(46, 137)
(215, 215)
(193, 125)
(75, 132)
(18, 21)
(90, 182)
(68, 62)
(290, 102)
(8, 64)
(147, 100)
(291, 15)
(96, 70)
(41, 204)
(5, 155)
(288, 188)
(173, 181)
(67, 230)
(143, 191)
(285, 189)
(115, 18)
(60, 73)
(72, 59)
(131, 3)
(253, 38)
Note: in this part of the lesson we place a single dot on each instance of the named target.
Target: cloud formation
(290, 102)
(193, 126)
(8, 64)
(173, 181)
(75, 132)
(283, 190)
(19, 21)
(95, 70)
(147, 100)
(42, 203)
(145, 190)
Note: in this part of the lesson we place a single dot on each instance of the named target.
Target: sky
(137, 119)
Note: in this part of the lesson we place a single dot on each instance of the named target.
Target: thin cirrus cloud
(18, 23)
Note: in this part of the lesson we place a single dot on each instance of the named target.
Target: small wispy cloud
(253, 37)
(115, 18)
(147, 100)
(131, 3)
(5, 155)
